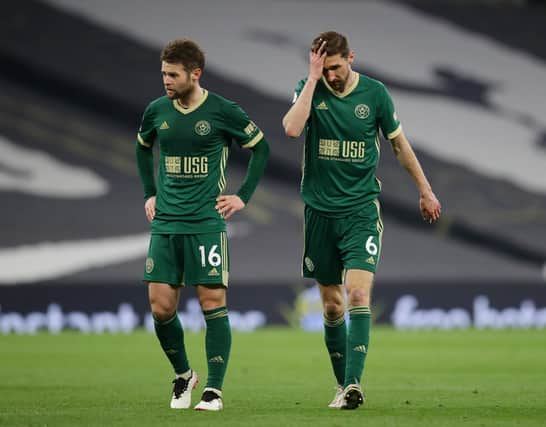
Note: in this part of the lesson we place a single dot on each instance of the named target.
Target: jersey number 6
(371, 247)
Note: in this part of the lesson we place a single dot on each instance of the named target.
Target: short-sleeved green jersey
(342, 145)
(194, 146)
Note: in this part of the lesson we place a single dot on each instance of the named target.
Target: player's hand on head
(316, 60)
(227, 205)
(430, 206)
(149, 208)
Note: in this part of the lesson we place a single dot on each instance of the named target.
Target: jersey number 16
(214, 257)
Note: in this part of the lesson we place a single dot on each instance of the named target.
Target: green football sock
(335, 337)
(171, 338)
(218, 345)
(358, 339)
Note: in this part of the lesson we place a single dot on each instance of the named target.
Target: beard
(338, 85)
(182, 94)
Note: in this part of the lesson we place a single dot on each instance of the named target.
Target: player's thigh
(206, 259)
(360, 242)
(321, 259)
(164, 261)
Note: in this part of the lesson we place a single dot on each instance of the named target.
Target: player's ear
(196, 73)
(351, 57)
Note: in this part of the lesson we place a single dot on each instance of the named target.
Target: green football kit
(343, 225)
(188, 243)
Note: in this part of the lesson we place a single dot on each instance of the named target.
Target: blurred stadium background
(469, 82)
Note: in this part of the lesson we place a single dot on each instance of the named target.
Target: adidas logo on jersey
(213, 272)
(336, 355)
(371, 261)
(360, 348)
(216, 359)
(164, 126)
(322, 106)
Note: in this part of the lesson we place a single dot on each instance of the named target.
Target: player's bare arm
(149, 208)
(228, 204)
(294, 120)
(428, 203)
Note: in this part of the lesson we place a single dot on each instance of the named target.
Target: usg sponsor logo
(407, 315)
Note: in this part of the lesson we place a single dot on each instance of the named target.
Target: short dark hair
(185, 52)
(335, 43)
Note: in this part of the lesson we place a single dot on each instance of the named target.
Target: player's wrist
(426, 193)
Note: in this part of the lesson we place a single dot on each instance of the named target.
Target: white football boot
(210, 401)
(182, 391)
(353, 397)
(338, 398)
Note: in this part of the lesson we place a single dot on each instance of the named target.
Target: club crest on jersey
(149, 265)
(362, 111)
(202, 127)
(309, 264)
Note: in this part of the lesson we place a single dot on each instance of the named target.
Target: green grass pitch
(278, 377)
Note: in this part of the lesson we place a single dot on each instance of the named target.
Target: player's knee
(333, 310)
(162, 315)
(211, 303)
(162, 312)
(358, 297)
(211, 298)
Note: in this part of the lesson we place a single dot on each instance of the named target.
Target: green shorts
(333, 245)
(188, 259)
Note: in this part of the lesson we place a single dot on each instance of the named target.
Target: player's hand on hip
(229, 204)
(430, 206)
(149, 208)
(316, 60)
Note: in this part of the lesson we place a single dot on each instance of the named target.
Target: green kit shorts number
(188, 259)
(333, 245)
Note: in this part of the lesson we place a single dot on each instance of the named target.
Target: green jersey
(342, 145)
(194, 146)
